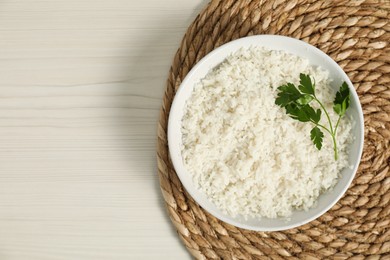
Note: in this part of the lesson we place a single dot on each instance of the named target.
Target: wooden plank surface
(81, 84)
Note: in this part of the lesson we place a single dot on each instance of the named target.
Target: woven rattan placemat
(355, 34)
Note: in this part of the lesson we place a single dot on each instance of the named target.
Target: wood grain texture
(80, 91)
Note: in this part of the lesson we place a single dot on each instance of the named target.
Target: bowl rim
(174, 107)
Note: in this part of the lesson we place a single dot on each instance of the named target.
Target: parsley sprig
(297, 101)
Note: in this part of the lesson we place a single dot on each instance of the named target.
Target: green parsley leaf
(317, 136)
(297, 105)
(303, 113)
(287, 93)
(314, 115)
(306, 86)
(317, 118)
(305, 99)
(337, 108)
(298, 112)
(342, 100)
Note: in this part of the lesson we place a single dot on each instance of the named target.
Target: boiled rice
(244, 152)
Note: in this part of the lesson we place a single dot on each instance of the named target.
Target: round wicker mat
(356, 35)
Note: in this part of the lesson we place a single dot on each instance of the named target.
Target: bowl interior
(273, 42)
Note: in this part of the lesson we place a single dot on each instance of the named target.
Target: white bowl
(315, 57)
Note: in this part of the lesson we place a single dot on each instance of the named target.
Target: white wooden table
(81, 84)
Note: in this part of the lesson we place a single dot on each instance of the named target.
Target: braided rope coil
(356, 34)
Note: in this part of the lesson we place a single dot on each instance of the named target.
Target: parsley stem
(326, 113)
(331, 131)
(337, 124)
(326, 129)
(333, 137)
(335, 147)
